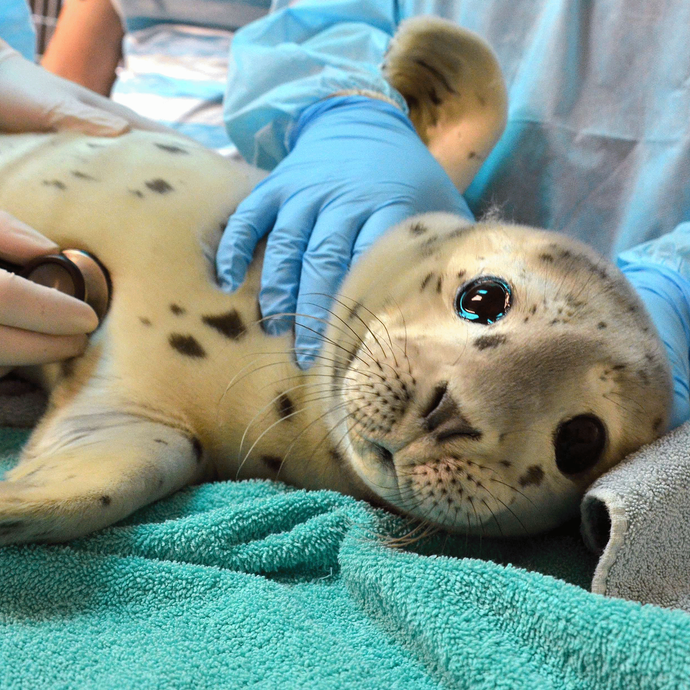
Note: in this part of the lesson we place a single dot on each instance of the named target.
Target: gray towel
(638, 517)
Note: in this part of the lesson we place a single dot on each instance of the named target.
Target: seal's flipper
(87, 470)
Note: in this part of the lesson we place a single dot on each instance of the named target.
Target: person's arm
(659, 270)
(308, 81)
(296, 56)
(87, 44)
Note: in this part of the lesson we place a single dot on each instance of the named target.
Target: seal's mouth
(456, 492)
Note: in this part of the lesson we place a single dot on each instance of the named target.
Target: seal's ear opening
(455, 91)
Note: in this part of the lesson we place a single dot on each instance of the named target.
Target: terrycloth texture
(253, 584)
(639, 515)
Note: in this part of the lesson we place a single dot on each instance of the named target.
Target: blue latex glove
(356, 167)
(666, 295)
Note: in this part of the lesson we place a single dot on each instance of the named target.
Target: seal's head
(484, 383)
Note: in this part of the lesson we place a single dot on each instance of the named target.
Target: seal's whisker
(358, 317)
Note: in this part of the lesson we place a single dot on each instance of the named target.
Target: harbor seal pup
(474, 377)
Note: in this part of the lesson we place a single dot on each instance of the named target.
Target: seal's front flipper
(87, 469)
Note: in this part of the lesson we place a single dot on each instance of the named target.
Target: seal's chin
(458, 493)
(430, 491)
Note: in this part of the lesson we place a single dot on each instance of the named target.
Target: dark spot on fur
(533, 309)
(429, 246)
(105, 501)
(145, 321)
(94, 145)
(480, 98)
(618, 367)
(273, 462)
(177, 309)
(533, 477)
(573, 302)
(489, 341)
(417, 229)
(644, 377)
(67, 367)
(472, 154)
(186, 345)
(136, 192)
(583, 262)
(83, 176)
(197, 448)
(439, 284)
(159, 186)
(54, 183)
(656, 426)
(425, 282)
(457, 232)
(160, 440)
(354, 311)
(412, 102)
(337, 456)
(171, 149)
(436, 74)
(230, 325)
(547, 258)
(461, 274)
(601, 325)
(285, 406)
(506, 463)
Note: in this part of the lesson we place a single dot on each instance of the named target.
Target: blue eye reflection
(483, 300)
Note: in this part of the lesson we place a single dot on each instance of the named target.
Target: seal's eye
(483, 300)
(579, 442)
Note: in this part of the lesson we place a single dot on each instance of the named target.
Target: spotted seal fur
(476, 377)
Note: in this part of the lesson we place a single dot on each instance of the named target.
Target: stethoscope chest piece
(76, 273)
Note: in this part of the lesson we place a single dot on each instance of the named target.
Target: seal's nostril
(436, 398)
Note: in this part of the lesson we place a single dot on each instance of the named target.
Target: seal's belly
(152, 208)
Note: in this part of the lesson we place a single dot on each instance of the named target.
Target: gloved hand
(37, 324)
(666, 295)
(356, 167)
(34, 100)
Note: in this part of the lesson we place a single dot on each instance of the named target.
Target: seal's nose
(443, 418)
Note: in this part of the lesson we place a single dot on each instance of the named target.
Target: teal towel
(255, 584)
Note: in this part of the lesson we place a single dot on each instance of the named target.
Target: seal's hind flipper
(88, 469)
